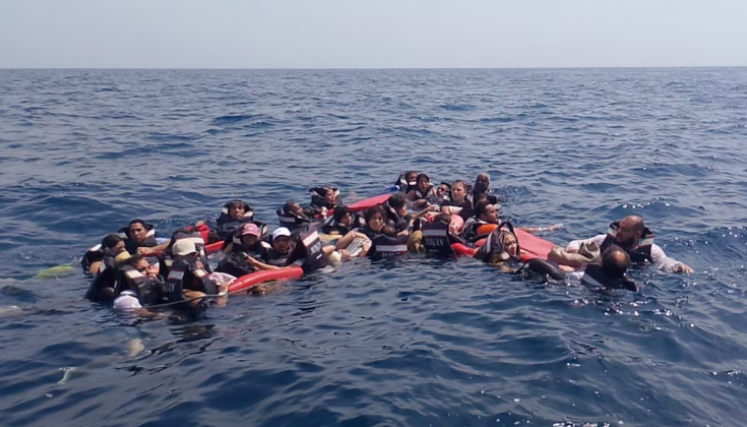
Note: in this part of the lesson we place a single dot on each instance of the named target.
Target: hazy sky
(371, 33)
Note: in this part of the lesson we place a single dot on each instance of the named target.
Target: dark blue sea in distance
(410, 343)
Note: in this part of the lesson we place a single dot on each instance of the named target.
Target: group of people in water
(137, 269)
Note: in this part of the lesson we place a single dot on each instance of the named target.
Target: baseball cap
(183, 247)
(282, 231)
(250, 229)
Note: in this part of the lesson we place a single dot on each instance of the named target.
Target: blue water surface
(414, 342)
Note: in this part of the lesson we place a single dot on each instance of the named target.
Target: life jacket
(308, 253)
(436, 239)
(492, 198)
(292, 221)
(272, 257)
(94, 254)
(393, 218)
(226, 225)
(149, 290)
(403, 186)
(179, 279)
(319, 199)
(638, 255)
(595, 276)
(149, 242)
(331, 225)
(430, 192)
(492, 249)
(469, 231)
(238, 247)
(235, 264)
(383, 246)
(106, 277)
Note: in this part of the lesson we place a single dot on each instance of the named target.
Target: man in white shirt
(637, 240)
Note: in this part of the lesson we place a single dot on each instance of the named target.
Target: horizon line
(369, 68)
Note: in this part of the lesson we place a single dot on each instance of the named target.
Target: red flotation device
(250, 280)
(368, 203)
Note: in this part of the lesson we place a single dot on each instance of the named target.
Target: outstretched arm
(665, 263)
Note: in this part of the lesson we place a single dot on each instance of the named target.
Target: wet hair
(136, 221)
(480, 208)
(421, 177)
(615, 261)
(288, 206)
(462, 183)
(134, 260)
(396, 200)
(444, 218)
(340, 212)
(110, 241)
(408, 173)
(236, 203)
(373, 210)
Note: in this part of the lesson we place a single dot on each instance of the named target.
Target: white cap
(183, 247)
(282, 231)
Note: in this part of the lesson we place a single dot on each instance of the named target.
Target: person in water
(324, 199)
(459, 204)
(424, 189)
(188, 281)
(293, 217)
(110, 246)
(631, 234)
(406, 182)
(140, 238)
(484, 213)
(438, 236)
(396, 211)
(342, 221)
(245, 239)
(383, 243)
(141, 286)
(282, 245)
(607, 270)
(482, 186)
(234, 214)
(501, 250)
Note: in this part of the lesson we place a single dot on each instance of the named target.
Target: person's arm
(410, 196)
(574, 245)
(227, 246)
(148, 251)
(348, 238)
(667, 264)
(260, 265)
(532, 230)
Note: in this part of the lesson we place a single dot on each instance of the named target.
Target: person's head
(112, 244)
(458, 191)
(629, 231)
(487, 212)
(330, 195)
(510, 244)
(139, 263)
(249, 235)
(281, 240)
(137, 230)
(443, 218)
(615, 261)
(184, 249)
(375, 218)
(236, 209)
(343, 215)
(423, 182)
(482, 183)
(443, 189)
(397, 202)
(411, 177)
(292, 207)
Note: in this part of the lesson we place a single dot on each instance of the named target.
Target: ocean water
(410, 343)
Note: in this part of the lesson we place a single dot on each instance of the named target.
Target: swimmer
(637, 241)
(501, 249)
(234, 214)
(293, 217)
(459, 204)
(420, 194)
(140, 238)
(111, 245)
(342, 221)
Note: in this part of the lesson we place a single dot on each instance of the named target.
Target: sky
(371, 33)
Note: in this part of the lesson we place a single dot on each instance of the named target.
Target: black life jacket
(319, 199)
(149, 242)
(148, 290)
(393, 219)
(469, 231)
(638, 255)
(308, 253)
(106, 277)
(595, 276)
(403, 186)
(225, 217)
(180, 278)
(92, 255)
(257, 249)
(431, 191)
(272, 257)
(235, 264)
(292, 221)
(383, 246)
(436, 239)
(183, 234)
(331, 225)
